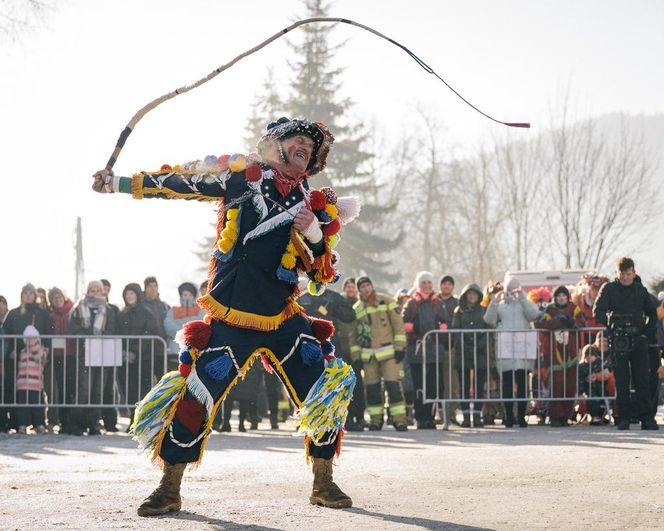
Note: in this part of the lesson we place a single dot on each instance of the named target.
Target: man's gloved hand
(103, 181)
(306, 223)
(399, 355)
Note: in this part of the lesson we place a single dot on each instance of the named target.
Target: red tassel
(322, 329)
(340, 436)
(266, 363)
(197, 334)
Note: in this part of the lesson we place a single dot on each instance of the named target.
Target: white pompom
(179, 339)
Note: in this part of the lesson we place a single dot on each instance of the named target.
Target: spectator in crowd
(378, 343)
(4, 412)
(42, 300)
(596, 379)
(471, 349)
(450, 302)
(107, 292)
(355, 419)
(627, 296)
(177, 316)
(338, 309)
(30, 383)
(91, 316)
(541, 296)
(64, 364)
(141, 367)
(245, 393)
(586, 295)
(561, 353)
(510, 309)
(17, 320)
(153, 303)
(4, 309)
(654, 358)
(425, 312)
(402, 297)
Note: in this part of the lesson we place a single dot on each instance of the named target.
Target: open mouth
(301, 154)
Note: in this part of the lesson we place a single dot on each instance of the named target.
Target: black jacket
(16, 322)
(333, 307)
(633, 299)
(468, 317)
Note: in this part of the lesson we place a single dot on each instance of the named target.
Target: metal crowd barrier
(79, 371)
(480, 357)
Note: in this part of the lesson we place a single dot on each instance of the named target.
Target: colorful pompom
(197, 334)
(166, 167)
(332, 227)
(330, 195)
(315, 288)
(184, 369)
(222, 161)
(237, 162)
(317, 200)
(211, 161)
(288, 261)
(225, 245)
(333, 241)
(253, 173)
(322, 329)
(310, 353)
(177, 167)
(331, 211)
(185, 357)
(219, 368)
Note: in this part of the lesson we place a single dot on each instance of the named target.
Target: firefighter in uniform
(378, 342)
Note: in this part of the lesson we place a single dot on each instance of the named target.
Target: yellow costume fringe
(265, 323)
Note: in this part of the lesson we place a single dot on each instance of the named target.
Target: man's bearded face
(298, 150)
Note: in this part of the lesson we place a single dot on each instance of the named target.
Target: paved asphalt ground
(491, 478)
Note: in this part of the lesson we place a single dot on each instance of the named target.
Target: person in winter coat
(30, 383)
(17, 320)
(177, 316)
(425, 312)
(560, 349)
(153, 302)
(91, 316)
(139, 359)
(596, 379)
(510, 309)
(378, 343)
(471, 349)
(64, 364)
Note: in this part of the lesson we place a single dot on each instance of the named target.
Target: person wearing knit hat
(423, 313)
(272, 227)
(31, 361)
(510, 309)
(363, 280)
(177, 317)
(559, 350)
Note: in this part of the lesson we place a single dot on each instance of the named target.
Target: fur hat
(284, 128)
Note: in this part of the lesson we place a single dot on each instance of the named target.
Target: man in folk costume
(272, 227)
(378, 342)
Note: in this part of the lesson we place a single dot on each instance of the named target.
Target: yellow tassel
(137, 186)
(229, 233)
(225, 245)
(231, 214)
(247, 319)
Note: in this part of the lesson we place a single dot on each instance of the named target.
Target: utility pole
(80, 267)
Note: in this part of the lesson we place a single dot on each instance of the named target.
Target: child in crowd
(30, 383)
(596, 379)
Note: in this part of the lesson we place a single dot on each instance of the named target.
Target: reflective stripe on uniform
(355, 349)
(362, 311)
(399, 409)
(375, 411)
(380, 354)
(399, 337)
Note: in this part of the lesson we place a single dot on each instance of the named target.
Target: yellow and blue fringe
(323, 413)
(155, 412)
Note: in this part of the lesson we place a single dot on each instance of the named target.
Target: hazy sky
(68, 88)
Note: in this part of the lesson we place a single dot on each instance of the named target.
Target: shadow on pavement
(214, 523)
(424, 523)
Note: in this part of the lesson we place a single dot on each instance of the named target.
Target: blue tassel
(311, 353)
(185, 357)
(287, 275)
(328, 348)
(220, 368)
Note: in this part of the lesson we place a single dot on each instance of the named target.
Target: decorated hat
(284, 128)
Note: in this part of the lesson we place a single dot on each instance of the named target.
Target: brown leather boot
(166, 497)
(325, 491)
